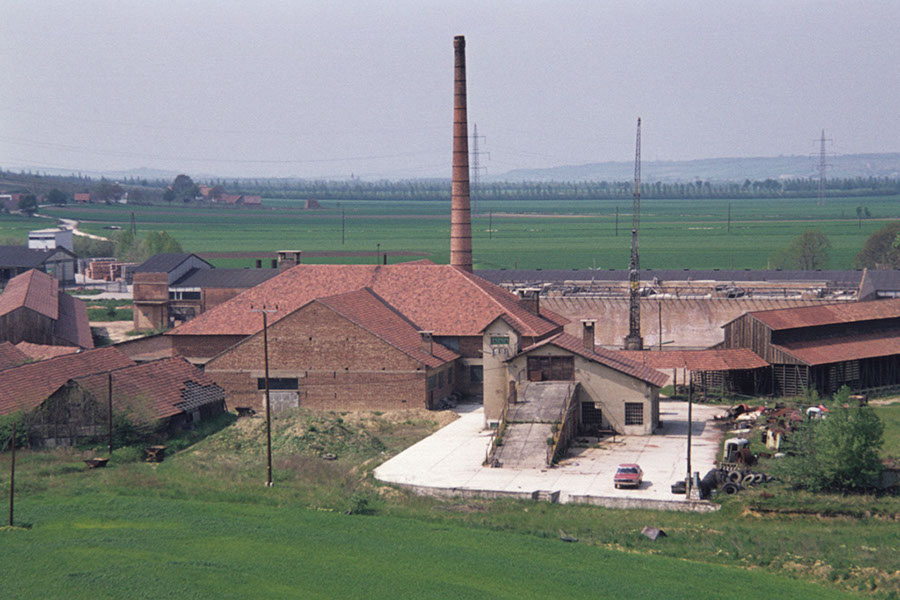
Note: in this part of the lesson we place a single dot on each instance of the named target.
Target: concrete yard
(449, 462)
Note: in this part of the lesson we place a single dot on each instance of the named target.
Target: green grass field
(561, 235)
(203, 525)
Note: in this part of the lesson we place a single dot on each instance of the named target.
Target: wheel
(730, 489)
(733, 477)
(749, 479)
(760, 478)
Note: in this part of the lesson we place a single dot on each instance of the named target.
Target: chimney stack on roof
(587, 335)
(427, 341)
(530, 299)
(289, 258)
(460, 214)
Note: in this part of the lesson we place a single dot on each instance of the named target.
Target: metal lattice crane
(634, 341)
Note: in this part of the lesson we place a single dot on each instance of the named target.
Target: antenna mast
(822, 166)
(634, 341)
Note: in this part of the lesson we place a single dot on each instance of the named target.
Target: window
(551, 368)
(476, 374)
(278, 383)
(634, 413)
(499, 340)
(440, 379)
(431, 381)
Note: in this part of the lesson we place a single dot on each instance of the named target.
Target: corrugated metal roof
(698, 360)
(613, 360)
(828, 314)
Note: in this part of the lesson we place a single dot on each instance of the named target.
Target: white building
(50, 239)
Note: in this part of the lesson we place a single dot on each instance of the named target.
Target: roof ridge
(472, 277)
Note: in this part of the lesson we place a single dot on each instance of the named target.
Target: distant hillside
(718, 169)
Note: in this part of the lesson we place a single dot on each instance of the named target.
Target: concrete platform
(449, 463)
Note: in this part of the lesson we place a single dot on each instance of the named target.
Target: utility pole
(109, 411)
(265, 312)
(634, 341)
(12, 473)
(377, 254)
(491, 225)
(729, 217)
(342, 227)
(617, 221)
(823, 165)
(690, 423)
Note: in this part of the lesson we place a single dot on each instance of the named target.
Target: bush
(837, 453)
(128, 454)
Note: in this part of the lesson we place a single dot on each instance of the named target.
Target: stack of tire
(729, 482)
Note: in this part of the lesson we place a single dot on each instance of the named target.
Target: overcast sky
(308, 88)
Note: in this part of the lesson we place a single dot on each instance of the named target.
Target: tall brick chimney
(460, 215)
(427, 341)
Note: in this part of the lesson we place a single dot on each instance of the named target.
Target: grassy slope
(203, 517)
(114, 547)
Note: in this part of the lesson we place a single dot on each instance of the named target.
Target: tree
(90, 248)
(169, 195)
(216, 191)
(107, 191)
(160, 242)
(183, 186)
(28, 204)
(808, 252)
(56, 196)
(879, 249)
(839, 452)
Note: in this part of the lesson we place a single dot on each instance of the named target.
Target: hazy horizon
(320, 89)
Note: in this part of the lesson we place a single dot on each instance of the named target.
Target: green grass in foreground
(202, 524)
(101, 546)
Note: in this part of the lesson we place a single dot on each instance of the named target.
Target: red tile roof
(252, 200)
(376, 316)
(27, 386)
(73, 325)
(612, 359)
(439, 298)
(11, 356)
(697, 360)
(157, 389)
(229, 198)
(42, 352)
(839, 349)
(34, 290)
(82, 197)
(828, 314)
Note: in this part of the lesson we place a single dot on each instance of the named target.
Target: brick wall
(213, 297)
(337, 364)
(198, 348)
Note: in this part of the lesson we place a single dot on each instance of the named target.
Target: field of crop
(202, 525)
(523, 234)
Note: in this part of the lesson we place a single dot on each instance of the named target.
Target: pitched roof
(72, 325)
(439, 298)
(11, 356)
(22, 257)
(34, 290)
(43, 352)
(613, 360)
(697, 360)
(364, 308)
(164, 263)
(839, 349)
(26, 386)
(156, 390)
(828, 314)
(224, 278)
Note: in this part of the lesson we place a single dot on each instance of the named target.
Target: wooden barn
(824, 347)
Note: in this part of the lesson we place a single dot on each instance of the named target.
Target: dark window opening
(278, 383)
(551, 368)
(476, 374)
(634, 413)
(450, 342)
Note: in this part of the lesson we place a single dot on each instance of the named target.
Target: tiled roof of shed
(697, 360)
(34, 290)
(840, 349)
(26, 386)
(43, 352)
(613, 360)
(828, 314)
(439, 298)
(11, 356)
(157, 389)
(376, 316)
(72, 324)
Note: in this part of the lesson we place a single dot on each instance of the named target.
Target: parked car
(628, 475)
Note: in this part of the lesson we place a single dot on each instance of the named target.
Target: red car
(628, 475)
